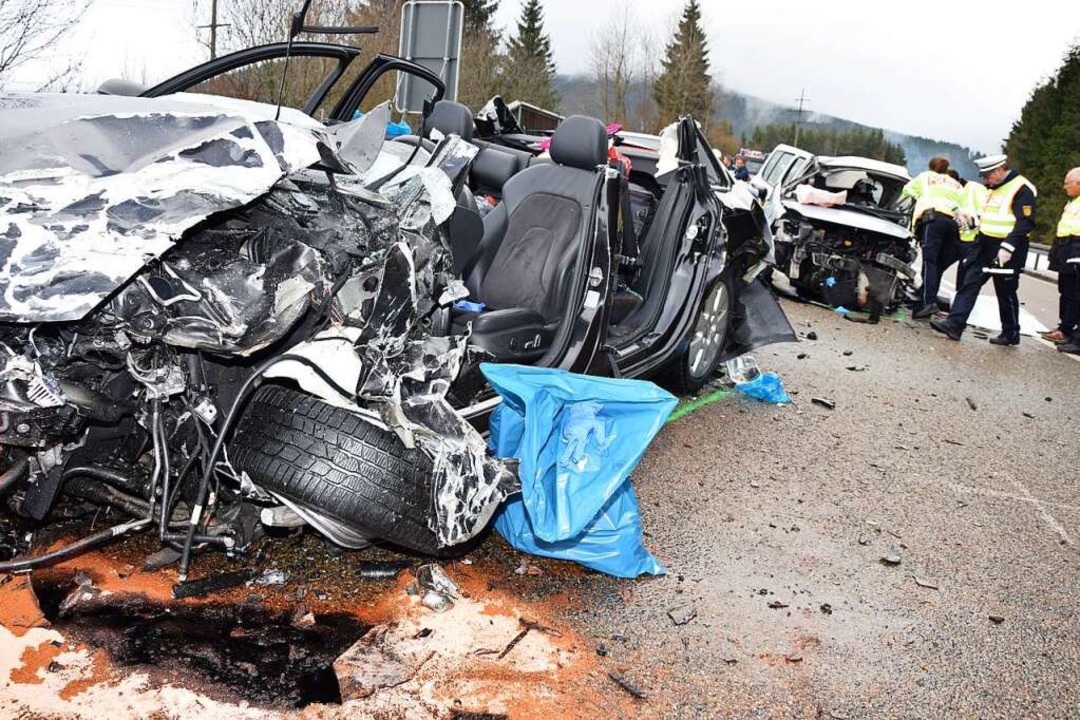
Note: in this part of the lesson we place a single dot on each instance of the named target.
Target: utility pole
(802, 99)
(214, 25)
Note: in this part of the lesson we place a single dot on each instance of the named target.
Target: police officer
(937, 196)
(1065, 260)
(1008, 215)
(972, 199)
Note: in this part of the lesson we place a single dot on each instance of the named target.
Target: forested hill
(746, 112)
(579, 94)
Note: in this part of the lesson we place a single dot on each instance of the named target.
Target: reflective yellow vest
(997, 219)
(972, 200)
(933, 191)
(1069, 225)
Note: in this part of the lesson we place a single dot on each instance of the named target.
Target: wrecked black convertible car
(213, 318)
(841, 228)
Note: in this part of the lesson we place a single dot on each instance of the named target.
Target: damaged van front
(841, 227)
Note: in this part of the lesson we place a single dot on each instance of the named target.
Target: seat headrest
(450, 118)
(580, 142)
(491, 169)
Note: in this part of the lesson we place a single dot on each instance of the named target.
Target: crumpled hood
(93, 187)
(848, 218)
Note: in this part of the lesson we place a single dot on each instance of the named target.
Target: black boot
(1005, 340)
(947, 328)
(924, 311)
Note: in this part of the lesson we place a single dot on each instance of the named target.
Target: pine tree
(684, 86)
(481, 63)
(531, 72)
(480, 16)
(1044, 143)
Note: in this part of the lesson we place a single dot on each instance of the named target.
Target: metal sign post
(430, 36)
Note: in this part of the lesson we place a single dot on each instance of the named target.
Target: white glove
(1004, 256)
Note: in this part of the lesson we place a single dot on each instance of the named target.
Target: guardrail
(1039, 252)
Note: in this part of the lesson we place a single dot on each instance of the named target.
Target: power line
(802, 99)
(214, 25)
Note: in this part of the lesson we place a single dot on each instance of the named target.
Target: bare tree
(616, 57)
(29, 27)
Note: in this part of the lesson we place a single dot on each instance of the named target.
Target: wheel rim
(709, 330)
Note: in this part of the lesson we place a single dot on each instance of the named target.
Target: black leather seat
(449, 118)
(523, 267)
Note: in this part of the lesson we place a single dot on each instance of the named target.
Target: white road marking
(1026, 497)
(1050, 520)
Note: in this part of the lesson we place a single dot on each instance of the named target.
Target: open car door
(324, 80)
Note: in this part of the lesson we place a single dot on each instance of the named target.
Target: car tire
(322, 456)
(709, 335)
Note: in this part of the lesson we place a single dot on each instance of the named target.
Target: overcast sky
(939, 69)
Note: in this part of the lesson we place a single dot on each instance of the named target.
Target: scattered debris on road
(214, 583)
(683, 614)
(824, 402)
(628, 685)
(892, 557)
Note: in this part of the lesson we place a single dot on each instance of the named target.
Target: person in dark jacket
(1065, 261)
(741, 173)
(1006, 218)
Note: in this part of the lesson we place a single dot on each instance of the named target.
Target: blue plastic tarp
(577, 438)
(393, 129)
(767, 387)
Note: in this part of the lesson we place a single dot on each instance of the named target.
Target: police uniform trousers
(1006, 284)
(940, 238)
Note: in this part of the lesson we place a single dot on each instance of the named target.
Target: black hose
(118, 480)
(103, 494)
(208, 471)
(74, 548)
(14, 473)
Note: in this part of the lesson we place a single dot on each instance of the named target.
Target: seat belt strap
(630, 255)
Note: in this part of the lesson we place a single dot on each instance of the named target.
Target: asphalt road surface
(957, 458)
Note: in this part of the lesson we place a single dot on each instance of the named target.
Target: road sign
(430, 36)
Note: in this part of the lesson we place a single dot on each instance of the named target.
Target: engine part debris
(628, 685)
(826, 608)
(162, 558)
(437, 602)
(433, 577)
(811, 335)
(824, 402)
(777, 605)
(272, 578)
(972, 404)
(214, 583)
(997, 619)
(381, 569)
(602, 650)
